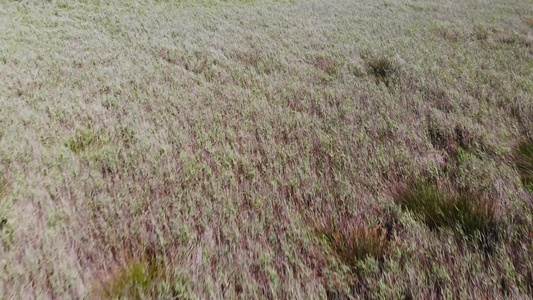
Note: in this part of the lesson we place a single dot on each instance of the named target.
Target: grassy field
(289, 149)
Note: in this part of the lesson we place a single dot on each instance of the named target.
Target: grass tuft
(514, 39)
(132, 280)
(84, 140)
(142, 279)
(354, 241)
(451, 138)
(451, 34)
(329, 66)
(439, 98)
(524, 163)
(441, 208)
(383, 69)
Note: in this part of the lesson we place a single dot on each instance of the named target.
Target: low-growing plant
(481, 33)
(442, 136)
(353, 241)
(451, 34)
(132, 280)
(441, 208)
(383, 69)
(141, 279)
(513, 38)
(85, 139)
(439, 137)
(439, 99)
(329, 66)
(524, 163)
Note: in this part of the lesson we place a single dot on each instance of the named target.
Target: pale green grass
(210, 136)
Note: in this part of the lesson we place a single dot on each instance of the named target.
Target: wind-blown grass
(222, 136)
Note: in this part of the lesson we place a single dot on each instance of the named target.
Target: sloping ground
(266, 149)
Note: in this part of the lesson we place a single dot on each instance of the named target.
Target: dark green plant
(383, 70)
(446, 208)
(524, 163)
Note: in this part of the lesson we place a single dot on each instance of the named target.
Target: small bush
(383, 70)
(524, 163)
(354, 241)
(446, 208)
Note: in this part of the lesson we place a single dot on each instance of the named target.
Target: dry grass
(353, 241)
(193, 149)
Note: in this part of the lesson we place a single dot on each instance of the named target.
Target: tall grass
(246, 149)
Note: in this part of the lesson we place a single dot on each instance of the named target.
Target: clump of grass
(529, 21)
(132, 280)
(85, 139)
(330, 66)
(524, 163)
(451, 34)
(354, 241)
(439, 98)
(481, 33)
(383, 69)
(450, 138)
(441, 208)
(141, 280)
(439, 137)
(442, 137)
(513, 38)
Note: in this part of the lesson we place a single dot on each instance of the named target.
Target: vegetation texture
(276, 149)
